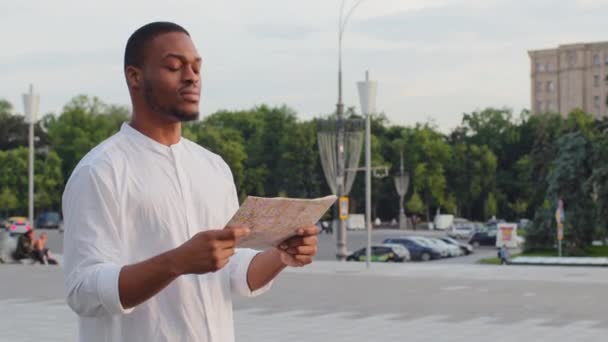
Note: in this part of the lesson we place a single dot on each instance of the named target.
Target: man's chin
(184, 116)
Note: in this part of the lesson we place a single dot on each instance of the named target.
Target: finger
(220, 258)
(303, 259)
(307, 231)
(232, 233)
(303, 250)
(291, 242)
(225, 253)
(299, 241)
(215, 243)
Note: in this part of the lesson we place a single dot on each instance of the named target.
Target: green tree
(14, 130)
(84, 123)
(8, 200)
(415, 205)
(568, 181)
(48, 181)
(471, 174)
(429, 174)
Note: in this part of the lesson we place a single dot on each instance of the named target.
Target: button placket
(186, 197)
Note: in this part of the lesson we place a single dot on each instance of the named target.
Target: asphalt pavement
(332, 301)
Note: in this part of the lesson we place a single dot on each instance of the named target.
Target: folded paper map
(272, 220)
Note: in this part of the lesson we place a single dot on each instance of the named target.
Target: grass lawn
(593, 251)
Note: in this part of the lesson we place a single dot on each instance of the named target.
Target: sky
(432, 59)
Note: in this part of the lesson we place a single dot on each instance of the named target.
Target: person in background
(504, 255)
(42, 254)
(24, 246)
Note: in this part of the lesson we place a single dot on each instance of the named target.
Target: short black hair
(134, 51)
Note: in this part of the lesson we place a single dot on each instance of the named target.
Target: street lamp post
(367, 96)
(30, 104)
(340, 123)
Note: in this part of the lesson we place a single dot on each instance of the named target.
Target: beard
(168, 111)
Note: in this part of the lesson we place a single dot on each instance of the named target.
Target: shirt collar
(146, 141)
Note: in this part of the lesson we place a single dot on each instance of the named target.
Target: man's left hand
(299, 250)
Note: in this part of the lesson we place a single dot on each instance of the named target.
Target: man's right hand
(207, 251)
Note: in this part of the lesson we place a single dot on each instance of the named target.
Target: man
(146, 254)
(41, 253)
(24, 246)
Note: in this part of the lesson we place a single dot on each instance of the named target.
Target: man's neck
(165, 132)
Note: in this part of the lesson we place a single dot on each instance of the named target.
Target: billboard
(506, 234)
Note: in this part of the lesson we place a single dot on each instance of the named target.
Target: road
(331, 301)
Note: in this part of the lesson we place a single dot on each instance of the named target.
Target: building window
(606, 58)
(540, 67)
(539, 106)
(596, 60)
(571, 59)
(550, 86)
(539, 86)
(549, 106)
(549, 66)
(596, 81)
(596, 101)
(606, 80)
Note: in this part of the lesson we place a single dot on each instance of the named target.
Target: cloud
(434, 58)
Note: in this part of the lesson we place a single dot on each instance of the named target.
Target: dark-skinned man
(147, 255)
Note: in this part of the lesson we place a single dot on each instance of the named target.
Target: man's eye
(173, 68)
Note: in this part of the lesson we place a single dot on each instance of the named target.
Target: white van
(356, 222)
(443, 221)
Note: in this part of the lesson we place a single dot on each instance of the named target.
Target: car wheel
(425, 257)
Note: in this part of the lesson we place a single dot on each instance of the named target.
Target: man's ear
(134, 77)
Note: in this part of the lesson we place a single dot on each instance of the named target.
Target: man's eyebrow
(181, 57)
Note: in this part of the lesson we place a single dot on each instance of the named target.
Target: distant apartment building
(569, 77)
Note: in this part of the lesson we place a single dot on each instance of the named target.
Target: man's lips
(190, 95)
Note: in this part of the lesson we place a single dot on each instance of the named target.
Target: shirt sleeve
(91, 244)
(240, 261)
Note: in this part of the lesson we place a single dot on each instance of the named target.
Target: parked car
(3, 223)
(49, 219)
(461, 231)
(442, 249)
(453, 251)
(486, 237)
(18, 225)
(417, 250)
(381, 253)
(465, 247)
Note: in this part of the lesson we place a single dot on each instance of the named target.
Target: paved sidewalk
(343, 302)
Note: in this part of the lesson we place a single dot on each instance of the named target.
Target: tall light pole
(402, 182)
(367, 96)
(30, 104)
(341, 229)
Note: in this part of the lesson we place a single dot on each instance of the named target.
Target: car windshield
(52, 216)
(424, 242)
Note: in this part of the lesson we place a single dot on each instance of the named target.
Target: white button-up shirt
(132, 198)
